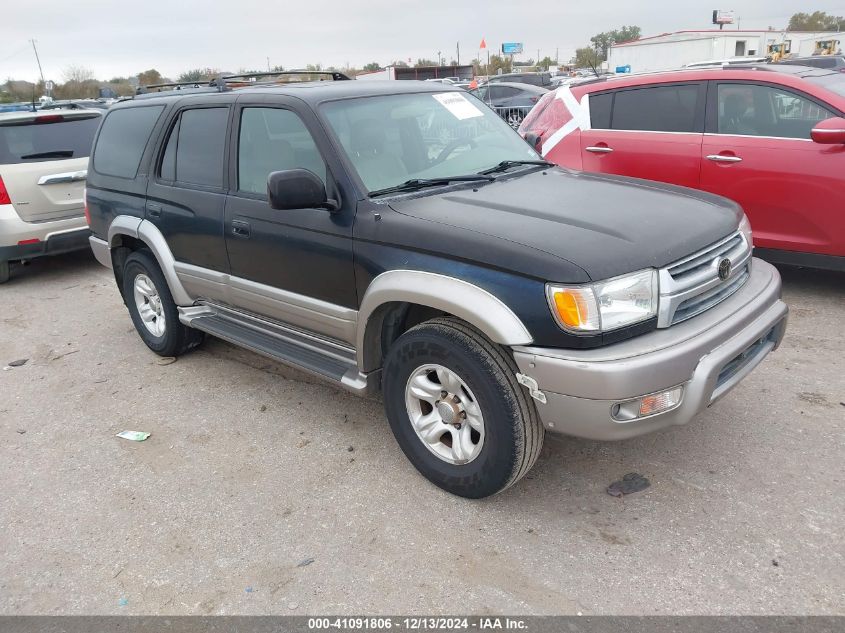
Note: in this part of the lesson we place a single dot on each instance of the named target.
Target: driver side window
(273, 139)
(758, 110)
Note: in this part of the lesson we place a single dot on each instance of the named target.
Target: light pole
(438, 57)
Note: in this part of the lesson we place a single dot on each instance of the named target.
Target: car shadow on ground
(811, 280)
(52, 268)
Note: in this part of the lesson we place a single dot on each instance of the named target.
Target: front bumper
(707, 355)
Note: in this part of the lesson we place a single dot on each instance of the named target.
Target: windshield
(392, 139)
(835, 82)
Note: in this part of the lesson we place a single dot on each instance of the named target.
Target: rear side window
(48, 138)
(195, 148)
(656, 109)
(600, 105)
(122, 140)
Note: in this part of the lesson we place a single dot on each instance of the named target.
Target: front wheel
(456, 409)
(151, 306)
(515, 118)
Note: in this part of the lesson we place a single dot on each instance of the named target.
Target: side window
(600, 105)
(656, 109)
(200, 138)
(122, 140)
(272, 139)
(496, 92)
(759, 110)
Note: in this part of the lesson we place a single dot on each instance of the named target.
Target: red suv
(770, 137)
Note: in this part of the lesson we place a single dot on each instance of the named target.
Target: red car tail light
(4, 194)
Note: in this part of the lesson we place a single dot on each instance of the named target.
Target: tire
(145, 289)
(4, 272)
(491, 456)
(515, 119)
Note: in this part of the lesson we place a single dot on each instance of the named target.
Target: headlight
(606, 305)
(745, 227)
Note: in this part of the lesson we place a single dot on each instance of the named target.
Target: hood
(605, 225)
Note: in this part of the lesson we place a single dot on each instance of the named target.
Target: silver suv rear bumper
(707, 355)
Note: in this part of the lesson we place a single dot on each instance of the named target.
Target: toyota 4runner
(399, 237)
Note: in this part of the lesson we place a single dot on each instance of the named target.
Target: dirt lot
(263, 491)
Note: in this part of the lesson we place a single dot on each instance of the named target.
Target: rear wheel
(456, 409)
(151, 306)
(4, 272)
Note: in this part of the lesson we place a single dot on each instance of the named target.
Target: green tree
(400, 64)
(816, 21)
(603, 41)
(547, 62)
(424, 62)
(499, 62)
(149, 77)
(371, 67)
(586, 57)
(198, 74)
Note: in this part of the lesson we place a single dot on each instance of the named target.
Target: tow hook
(533, 387)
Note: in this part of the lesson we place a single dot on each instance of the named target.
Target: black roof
(519, 85)
(312, 92)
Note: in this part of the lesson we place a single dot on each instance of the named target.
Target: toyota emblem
(724, 269)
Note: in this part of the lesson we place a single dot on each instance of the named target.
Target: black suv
(400, 237)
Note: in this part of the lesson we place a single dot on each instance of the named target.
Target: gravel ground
(264, 491)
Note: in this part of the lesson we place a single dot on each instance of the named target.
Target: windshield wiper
(506, 164)
(57, 153)
(415, 184)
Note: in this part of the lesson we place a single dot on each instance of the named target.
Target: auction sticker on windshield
(458, 105)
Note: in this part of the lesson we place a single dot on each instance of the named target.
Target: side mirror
(298, 189)
(829, 132)
(533, 139)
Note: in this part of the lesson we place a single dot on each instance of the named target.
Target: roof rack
(222, 83)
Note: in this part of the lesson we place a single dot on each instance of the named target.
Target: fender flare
(466, 301)
(149, 234)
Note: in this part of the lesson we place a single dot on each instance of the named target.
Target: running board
(322, 357)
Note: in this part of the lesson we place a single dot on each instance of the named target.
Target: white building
(673, 50)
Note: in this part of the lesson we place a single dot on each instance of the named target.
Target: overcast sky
(120, 38)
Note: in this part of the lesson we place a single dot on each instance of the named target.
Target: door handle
(599, 149)
(153, 210)
(718, 158)
(240, 229)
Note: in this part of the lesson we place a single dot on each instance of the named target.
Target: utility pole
(438, 57)
(268, 64)
(459, 53)
(40, 72)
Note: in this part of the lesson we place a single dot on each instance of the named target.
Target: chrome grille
(692, 285)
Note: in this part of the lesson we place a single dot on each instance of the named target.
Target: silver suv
(43, 166)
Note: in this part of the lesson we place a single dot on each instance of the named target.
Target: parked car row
(771, 137)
